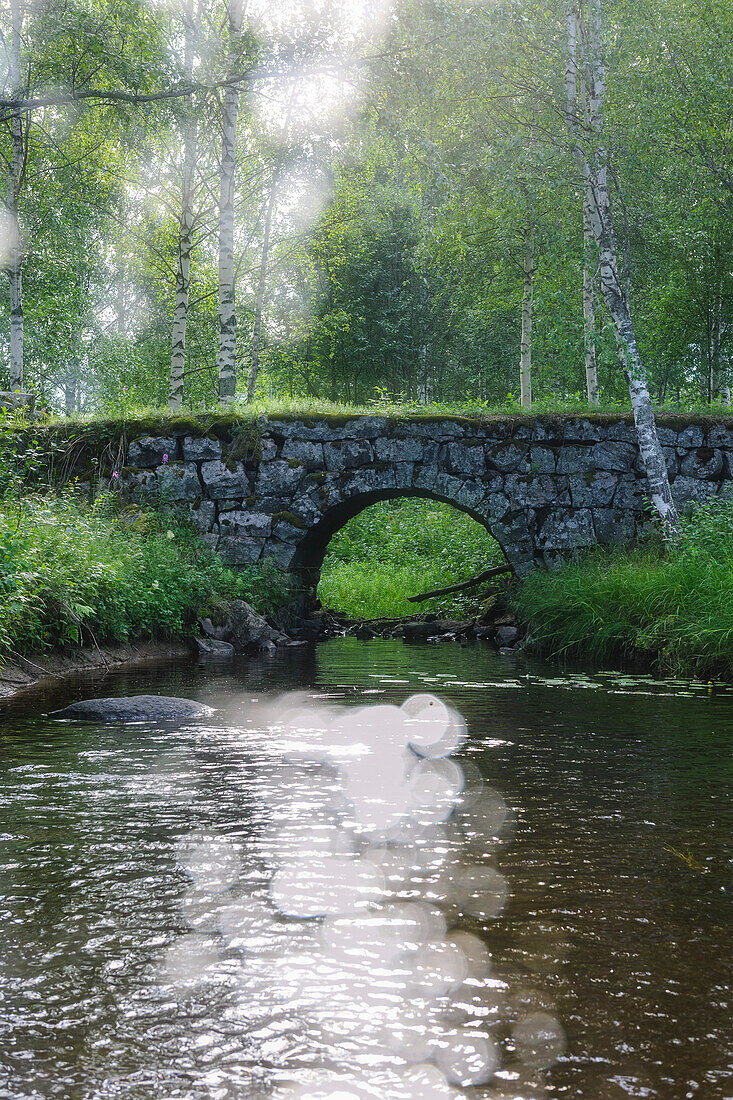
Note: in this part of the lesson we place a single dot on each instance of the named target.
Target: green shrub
(674, 606)
(72, 571)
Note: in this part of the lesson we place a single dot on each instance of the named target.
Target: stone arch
(311, 550)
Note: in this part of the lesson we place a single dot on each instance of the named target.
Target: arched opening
(371, 553)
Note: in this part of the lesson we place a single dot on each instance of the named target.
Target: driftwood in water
(495, 572)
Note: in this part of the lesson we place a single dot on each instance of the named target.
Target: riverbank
(666, 607)
(23, 676)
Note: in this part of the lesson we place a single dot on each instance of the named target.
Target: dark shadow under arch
(311, 551)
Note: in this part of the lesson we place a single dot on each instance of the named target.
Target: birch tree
(186, 226)
(227, 357)
(525, 347)
(591, 156)
(16, 171)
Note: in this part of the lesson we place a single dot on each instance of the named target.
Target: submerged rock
(213, 647)
(134, 708)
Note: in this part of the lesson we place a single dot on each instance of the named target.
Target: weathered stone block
(612, 526)
(614, 455)
(465, 459)
(150, 451)
(508, 457)
(268, 449)
(630, 493)
(281, 553)
(399, 449)
(223, 483)
(240, 551)
(581, 431)
(244, 523)
(720, 436)
(566, 530)
(279, 478)
(623, 432)
(203, 515)
(178, 482)
(687, 491)
(690, 436)
(542, 460)
(526, 491)
(593, 489)
(667, 436)
(348, 455)
(574, 459)
(201, 449)
(704, 463)
(306, 452)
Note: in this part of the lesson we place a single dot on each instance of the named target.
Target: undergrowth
(400, 548)
(75, 572)
(670, 605)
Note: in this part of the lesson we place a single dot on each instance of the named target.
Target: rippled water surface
(286, 900)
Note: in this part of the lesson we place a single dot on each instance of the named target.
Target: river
(201, 911)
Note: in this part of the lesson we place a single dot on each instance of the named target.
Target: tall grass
(673, 606)
(400, 548)
(76, 572)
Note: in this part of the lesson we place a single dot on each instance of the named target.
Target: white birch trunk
(589, 306)
(15, 178)
(185, 236)
(254, 369)
(525, 352)
(594, 170)
(227, 359)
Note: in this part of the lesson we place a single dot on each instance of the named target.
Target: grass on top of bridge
(137, 420)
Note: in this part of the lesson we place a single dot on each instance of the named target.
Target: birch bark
(592, 160)
(227, 361)
(15, 182)
(185, 235)
(525, 352)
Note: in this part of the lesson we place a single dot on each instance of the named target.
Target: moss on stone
(291, 518)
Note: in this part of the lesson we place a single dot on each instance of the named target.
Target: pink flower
(165, 459)
(115, 474)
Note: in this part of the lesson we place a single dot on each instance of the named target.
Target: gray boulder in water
(134, 708)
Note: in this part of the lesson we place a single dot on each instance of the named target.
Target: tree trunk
(525, 353)
(589, 306)
(594, 169)
(70, 391)
(185, 235)
(254, 369)
(15, 182)
(576, 108)
(227, 361)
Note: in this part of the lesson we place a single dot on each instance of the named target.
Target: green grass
(132, 416)
(74, 572)
(674, 608)
(400, 548)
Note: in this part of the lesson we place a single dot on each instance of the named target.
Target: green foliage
(673, 607)
(75, 572)
(399, 548)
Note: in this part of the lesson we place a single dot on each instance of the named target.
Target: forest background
(372, 202)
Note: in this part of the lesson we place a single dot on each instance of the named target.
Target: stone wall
(545, 487)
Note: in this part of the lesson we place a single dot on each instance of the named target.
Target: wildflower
(165, 460)
(156, 584)
(115, 474)
(169, 535)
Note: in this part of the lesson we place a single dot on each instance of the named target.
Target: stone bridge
(544, 486)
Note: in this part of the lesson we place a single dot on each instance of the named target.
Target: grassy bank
(74, 572)
(672, 607)
(400, 548)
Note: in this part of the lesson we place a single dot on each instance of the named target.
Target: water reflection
(373, 861)
(142, 945)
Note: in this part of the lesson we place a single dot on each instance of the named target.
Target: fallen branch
(495, 572)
